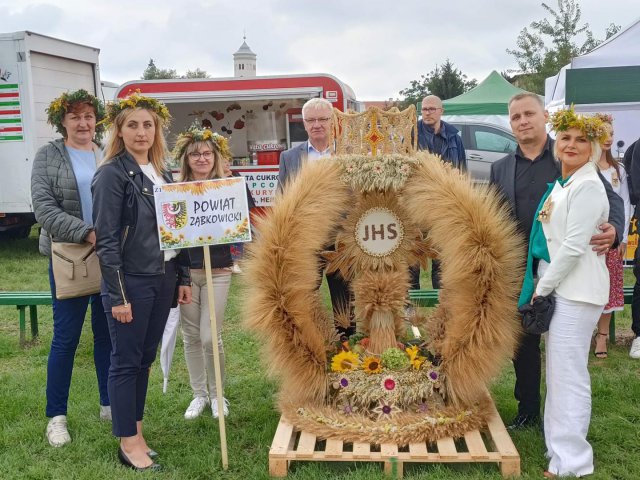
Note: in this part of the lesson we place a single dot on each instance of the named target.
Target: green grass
(191, 450)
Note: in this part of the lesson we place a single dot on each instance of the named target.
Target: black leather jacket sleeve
(616, 211)
(108, 189)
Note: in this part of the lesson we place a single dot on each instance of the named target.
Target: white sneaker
(236, 268)
(196, 407)
(214, 407)
(105, 412)
(57, 432)
(635, 348)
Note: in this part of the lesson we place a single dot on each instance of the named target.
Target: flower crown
(59, 107)
(197, 134)
(605, 117)
(135, 100)
(592, 126)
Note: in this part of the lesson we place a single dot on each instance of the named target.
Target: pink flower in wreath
(389, 383)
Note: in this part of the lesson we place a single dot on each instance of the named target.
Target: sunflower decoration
(372, 365)
(197, 134)
(136, 100)
(591, 125)
(414, 356)
(59, 107)
(345, 362)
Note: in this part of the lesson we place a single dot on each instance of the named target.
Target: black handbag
(536, 316)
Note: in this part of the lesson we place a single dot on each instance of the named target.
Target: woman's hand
(622, 250)
(184, 294)
(122, 313)
(91, 238)
(533, 297)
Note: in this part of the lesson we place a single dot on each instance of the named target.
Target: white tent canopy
(619, 50)
(606, 80)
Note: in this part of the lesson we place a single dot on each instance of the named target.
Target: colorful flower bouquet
(403, 379)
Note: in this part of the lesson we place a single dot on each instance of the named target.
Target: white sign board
(211, 212)
(263, 185)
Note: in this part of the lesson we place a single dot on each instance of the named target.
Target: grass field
(190, 450)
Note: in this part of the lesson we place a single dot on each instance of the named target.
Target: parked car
(484, 143)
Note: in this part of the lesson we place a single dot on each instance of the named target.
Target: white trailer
(34, 69)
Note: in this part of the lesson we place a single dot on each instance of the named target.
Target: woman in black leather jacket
(140, 282)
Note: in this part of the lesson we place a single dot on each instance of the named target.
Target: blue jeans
(135, 345)
(68, 318)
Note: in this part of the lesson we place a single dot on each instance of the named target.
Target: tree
(197, 73)
(445, 81)
(550, 44)
(154, 73)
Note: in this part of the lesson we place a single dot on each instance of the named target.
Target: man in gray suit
(316, 115)
(522, 178)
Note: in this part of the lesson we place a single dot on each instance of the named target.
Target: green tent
(489, 98)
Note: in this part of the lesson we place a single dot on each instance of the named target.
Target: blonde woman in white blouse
(577, 277)
(616, 175)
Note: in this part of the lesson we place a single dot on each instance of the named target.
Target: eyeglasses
(321, 121)
(431, 109)
(208, 155)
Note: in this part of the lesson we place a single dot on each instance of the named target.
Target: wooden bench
(429, 298)
(22, 300)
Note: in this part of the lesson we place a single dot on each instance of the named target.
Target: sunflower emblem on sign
(174, 214)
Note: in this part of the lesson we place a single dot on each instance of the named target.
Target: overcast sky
(377, 47)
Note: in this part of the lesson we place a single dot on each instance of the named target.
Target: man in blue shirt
(440, 138)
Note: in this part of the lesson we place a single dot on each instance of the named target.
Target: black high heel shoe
(152, 454)
(154, 467)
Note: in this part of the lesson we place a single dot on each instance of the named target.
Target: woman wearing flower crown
(567, 217)
(60, 187)
(202, 155)
(614, 172)
(140, 282)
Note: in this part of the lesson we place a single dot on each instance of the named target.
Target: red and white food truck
(261, 116)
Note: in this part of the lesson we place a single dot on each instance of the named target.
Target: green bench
(22, 300)
(429, 298)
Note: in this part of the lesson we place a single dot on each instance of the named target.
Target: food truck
(261, 116)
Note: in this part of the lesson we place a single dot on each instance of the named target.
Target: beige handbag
(76, 269)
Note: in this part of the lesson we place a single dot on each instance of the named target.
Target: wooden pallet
(492, 445)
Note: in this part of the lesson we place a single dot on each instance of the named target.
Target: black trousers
(414, 275)
(340, 301)
(135, 345)
(528, 367)
(340, 293)
(635, 301)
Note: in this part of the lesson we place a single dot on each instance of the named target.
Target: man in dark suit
(522, 178)
(316, 115)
